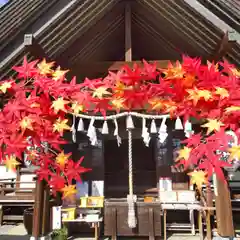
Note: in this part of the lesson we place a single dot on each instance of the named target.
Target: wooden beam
(104, 67)
(128, 33)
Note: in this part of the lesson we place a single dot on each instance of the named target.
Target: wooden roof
(77, 31)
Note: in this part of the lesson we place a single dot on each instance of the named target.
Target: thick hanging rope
(124, 114)
(131, 199)
(130, 167)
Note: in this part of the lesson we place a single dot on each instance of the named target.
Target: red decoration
(37, 104)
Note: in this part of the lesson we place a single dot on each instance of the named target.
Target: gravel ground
(17, 232)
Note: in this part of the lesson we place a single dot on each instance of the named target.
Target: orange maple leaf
(62, 158)
(69, 191)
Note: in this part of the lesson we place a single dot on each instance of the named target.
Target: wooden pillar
(38, 210)
(224, 209)
(128, 33)
(209, 213)
(46, 210)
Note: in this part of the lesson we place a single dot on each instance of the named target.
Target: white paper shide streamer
(80, 125)
(92, 133)
(116, 134)
(105, 128)
(162, 133)
(178, 124)
(73, 129)
(145, 133)
(188, 129)
(129, 122)
(153, 128)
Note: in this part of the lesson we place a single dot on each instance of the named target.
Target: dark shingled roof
(73, 31)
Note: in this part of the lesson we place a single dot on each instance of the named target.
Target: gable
(73, 32)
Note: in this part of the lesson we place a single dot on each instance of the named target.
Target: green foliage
(60, 234)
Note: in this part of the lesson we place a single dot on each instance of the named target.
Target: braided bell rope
(131, 199)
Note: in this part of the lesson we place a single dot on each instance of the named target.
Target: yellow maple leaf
(184, 153)
(222, 92)
(234, 152)
(174, 71)
(59, 74)
(156, 104)
(213, 125)
(120, 87)
(235, 72)
(100, 92)
(196, 94)
(61, 125)
(59, 104)
(26, 123)
(170, 107)
(5, 86)
(62, 158)
(44, 67)
(193, 95)
(11, 162)
(118, 103)
(199, 178)
(69, 191)
(232, 109)
(204, 94)
(76, 107)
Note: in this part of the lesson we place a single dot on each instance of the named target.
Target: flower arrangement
(38, 104)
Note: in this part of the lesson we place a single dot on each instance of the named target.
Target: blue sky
(3, 2)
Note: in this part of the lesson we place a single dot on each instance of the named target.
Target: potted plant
(28, 220)
(59, 234)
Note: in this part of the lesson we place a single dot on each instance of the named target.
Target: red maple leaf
(57, 182)
(91, 84)
(132, 76)
(150, 70)
(193, 141)
(13, 109)
(73, 170)
(43, 174)
(134, 99)
(27, 70)
(102, 106)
